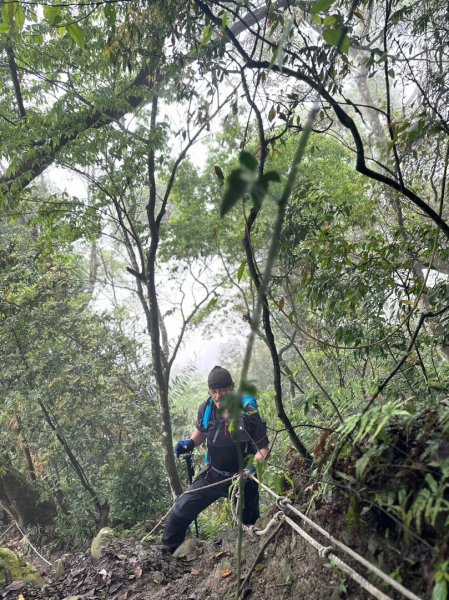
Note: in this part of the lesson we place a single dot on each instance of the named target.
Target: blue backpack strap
(249, 401)
(207, 413)
(205, 422)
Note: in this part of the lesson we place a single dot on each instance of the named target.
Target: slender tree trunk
(102, 508)
(160, 363)
(25, 449)
(266, 315)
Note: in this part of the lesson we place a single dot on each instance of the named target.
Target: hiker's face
(218, 395)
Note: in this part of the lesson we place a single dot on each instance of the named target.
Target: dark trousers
(189, 505)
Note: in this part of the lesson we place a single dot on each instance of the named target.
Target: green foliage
(57, 353)
(372, 422)
(215, 520)
(348, 286)
(441, 576)
(133, 480)
(244, 180)
(353, 515)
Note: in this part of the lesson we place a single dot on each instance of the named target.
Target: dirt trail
(127, 570)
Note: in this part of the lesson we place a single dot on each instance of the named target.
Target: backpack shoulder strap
(249, 404)
(207, 413)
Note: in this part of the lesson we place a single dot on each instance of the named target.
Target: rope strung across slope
(25, 537)
(286, 505)
(326, 552)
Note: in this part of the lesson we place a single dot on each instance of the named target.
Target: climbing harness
(222, 473)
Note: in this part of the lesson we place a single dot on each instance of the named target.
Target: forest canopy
(274, 172)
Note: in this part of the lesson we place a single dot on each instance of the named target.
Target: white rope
(6, 530)
(147, 535)
(273, 521)
(235, 499)
(326, 552)
(286, 504)
(25, 537)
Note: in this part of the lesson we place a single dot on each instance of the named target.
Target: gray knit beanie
(219, 378)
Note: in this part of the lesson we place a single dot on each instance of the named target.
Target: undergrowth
(392, 473)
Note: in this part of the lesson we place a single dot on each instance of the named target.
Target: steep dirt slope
(127, 570)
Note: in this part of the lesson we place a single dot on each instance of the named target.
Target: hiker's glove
(183, 447)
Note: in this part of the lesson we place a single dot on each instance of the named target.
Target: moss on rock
(13, 566)
(101, 541)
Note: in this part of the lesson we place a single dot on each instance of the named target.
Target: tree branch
(15, 79)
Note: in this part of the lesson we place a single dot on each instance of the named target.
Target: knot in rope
(247, 474)
(283, 503)
(325, 551)
(251, 530)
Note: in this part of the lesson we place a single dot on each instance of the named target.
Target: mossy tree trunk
(21, 499)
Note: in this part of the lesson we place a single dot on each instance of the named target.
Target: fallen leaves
(138, 572)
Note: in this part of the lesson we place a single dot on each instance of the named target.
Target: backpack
(247, 401)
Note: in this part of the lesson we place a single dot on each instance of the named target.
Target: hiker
(222, 458)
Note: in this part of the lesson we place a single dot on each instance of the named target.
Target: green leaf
(259, 191)
(272, 176)
(5, 14)
(321, 6)
(111, 14)
(345, 45)
(20, 17)
(76, 33)
(212, 303)
(235, 187)
(225, 20)
(335, 36)
(52, 14)
(248, 160)
(330, 20)
(4, 27)
(241, 271)
(219, 172)
(440, 591)
(207, 35)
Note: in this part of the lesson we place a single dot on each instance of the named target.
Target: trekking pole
(190, 473)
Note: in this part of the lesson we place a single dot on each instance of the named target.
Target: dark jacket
(221, 447)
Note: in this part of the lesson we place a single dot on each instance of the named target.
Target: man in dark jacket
(223, 459)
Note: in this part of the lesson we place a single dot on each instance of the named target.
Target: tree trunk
(160, 363)
(20, 498)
